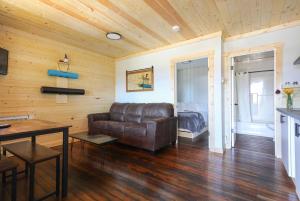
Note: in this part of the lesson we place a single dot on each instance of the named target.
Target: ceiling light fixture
(176, 28)
(113, 36)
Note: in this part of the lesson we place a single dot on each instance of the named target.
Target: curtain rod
(260, 71)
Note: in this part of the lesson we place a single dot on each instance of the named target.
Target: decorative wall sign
(58, 73)
(140, 80)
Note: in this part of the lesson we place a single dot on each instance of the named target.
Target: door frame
(198, 55)
(277, 48)
(233, 98)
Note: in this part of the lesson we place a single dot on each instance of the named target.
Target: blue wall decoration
(58, 73)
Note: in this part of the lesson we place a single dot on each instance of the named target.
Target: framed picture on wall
(140, 80)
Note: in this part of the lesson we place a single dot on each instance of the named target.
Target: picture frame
(140, 80)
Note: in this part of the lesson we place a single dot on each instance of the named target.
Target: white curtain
(262, 98)
(243, 96)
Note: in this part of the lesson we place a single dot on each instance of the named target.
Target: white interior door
(234, 104)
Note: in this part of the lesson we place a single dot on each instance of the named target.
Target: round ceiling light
(176, 28)
(113, 36)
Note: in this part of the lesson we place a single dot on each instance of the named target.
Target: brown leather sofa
(148, 126)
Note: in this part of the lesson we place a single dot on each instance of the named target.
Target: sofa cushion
(117, 111)
(135, 129)
(134, 112)
(100, 127)
(157, 110)
(116, 129)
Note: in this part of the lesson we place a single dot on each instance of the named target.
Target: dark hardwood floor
(259, 144)
(186, 172)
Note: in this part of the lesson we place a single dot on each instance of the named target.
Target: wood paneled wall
(30, 56)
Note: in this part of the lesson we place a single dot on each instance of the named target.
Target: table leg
(31, 182)
(14, 185)
(33, 140)
(72, 144)
(4, 173)
(65, 162)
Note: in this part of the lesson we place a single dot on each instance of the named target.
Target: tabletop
(28, 126)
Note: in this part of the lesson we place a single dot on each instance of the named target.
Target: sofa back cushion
(157, 110)
(134, 112)
(117, 111)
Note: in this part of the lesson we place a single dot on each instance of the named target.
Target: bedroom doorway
(253, 112)
(191, 85)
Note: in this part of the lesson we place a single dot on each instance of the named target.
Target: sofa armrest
(163, 130)
(96, 117)
(99, 116)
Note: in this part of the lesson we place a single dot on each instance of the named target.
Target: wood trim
(151, 69)
(186, 42)
(253, 50)
(277, 48)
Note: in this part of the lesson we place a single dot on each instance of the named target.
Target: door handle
(297, 130)
(282, 119)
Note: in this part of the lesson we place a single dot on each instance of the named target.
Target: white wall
(163, 82)
(163, 87)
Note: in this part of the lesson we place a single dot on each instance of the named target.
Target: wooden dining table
(32, 129)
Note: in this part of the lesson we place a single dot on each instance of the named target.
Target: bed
(191, 122)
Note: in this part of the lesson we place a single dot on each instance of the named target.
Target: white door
(234, 104)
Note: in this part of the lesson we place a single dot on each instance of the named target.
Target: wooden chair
(32, 154)
(7, 165)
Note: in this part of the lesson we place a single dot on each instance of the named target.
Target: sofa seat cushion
(112, 128)
(135, 129)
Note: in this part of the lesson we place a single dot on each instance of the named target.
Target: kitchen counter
(292, 113)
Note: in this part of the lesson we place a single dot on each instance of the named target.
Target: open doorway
(192, 98)
(253, 112)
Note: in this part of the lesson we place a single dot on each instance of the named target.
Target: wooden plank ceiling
(144, 24)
